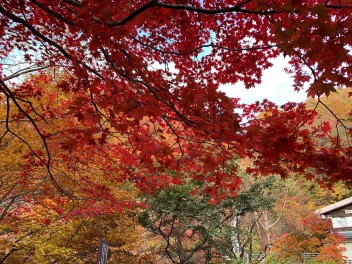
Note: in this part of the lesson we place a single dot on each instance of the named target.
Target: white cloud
(276, 86)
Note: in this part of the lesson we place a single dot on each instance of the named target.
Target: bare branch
(25, 71)
(6, 90)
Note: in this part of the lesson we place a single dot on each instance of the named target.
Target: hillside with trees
(112, 125)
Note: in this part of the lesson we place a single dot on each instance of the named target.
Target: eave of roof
(346, 234)
(333, 207)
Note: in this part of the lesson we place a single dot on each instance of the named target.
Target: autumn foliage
(315, 239)
(117, 57)
(125, 92)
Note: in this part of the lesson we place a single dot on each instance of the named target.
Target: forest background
(97, 142)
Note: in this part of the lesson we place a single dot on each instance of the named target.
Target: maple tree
(38, 222)
(26, 177)
(28, 238)
(333, 114)
(84, 173)
(129, 112)
(315, 237)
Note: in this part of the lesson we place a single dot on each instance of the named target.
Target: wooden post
(103, 251)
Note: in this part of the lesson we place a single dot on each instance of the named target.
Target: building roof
(346, 234)
(333, 207)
